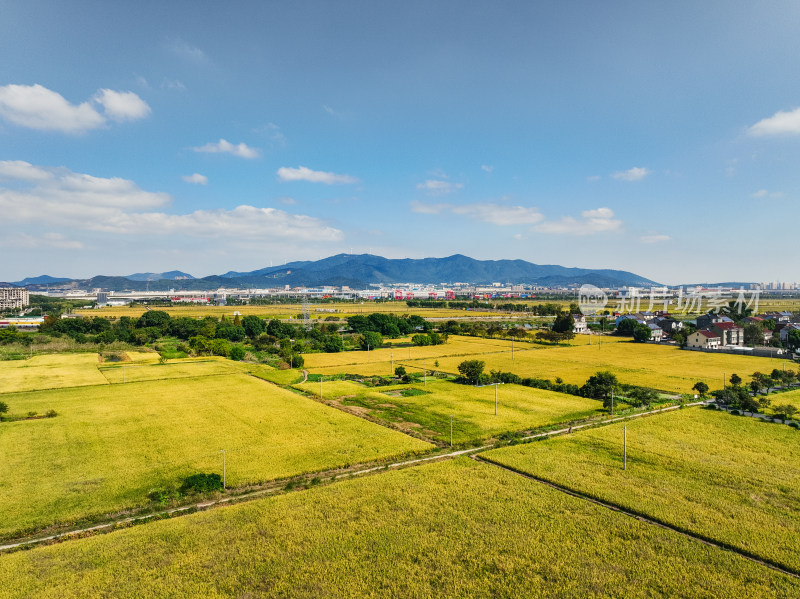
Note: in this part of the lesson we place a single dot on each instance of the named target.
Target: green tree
(642, 396)
(601, 385)
(564, 323)
(793, 340)
(237, 353)
(753, 335)
(735, 380)
(472, 370)
(3, 407)
(701, 388)
(641, 333)
(400, 371)
(785, 411)
(371, 340)
(421, 339)
(626, 327)
(253, 326)
(154, 318)
(333, 343)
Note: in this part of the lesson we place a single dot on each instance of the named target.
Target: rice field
(426, 408)
(732, 479)
(662, 367)
(340, 310)
(50, 371)
(450, 529)
(141, 370)
(111, 444)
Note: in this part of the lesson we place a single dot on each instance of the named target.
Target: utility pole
(320, 386)
(512, 348)
(495, 398)
(625, 447)
(123, 375)
(392, 373)
(612, 403)
(451, 430)
(223, 469)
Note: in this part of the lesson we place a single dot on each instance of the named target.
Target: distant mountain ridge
(361, 270)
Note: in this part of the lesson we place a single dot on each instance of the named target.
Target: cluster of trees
(388, 325)
(749, 398)
(628, 327)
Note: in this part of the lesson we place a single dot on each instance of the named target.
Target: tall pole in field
(223, 469)
(612, 403)
(495, 399)
(320, 386)
(392, 363)
(512, 348)
(123, 375)
(451, 430)
(625, 447)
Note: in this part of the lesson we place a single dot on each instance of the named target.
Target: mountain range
(359, 271)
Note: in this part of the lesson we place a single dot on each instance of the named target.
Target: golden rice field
(111, 444)
(283, 311)
(473, 408)
(659, 366)
(450, 529)
(732, 479)
(50, 371)
(129, 372)
(381, 361)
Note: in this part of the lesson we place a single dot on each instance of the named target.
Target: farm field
(379, 362)
(733, 479)
(50, 371)
(111, 444)
(283, 311)
(141, 370)
(661, 367)
(426, 409)
(449, 529)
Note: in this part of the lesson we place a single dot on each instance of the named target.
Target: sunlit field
(282, 311)
(661, 367)
(142, 370)
(451, 529)
(426, 408)
(732, 479)
(50, 371)
(111, 444)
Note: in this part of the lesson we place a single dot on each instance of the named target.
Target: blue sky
(661, 138)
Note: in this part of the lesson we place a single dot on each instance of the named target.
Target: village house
(703, 339)
(729, 332)
(580, 325)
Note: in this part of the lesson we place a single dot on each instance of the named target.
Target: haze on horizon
(658, 139)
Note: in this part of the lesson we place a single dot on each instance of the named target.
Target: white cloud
(196, 178)
(488, 168)
(593, 178)
(593, 221)
(37, 107)
(495, 214)
(223, 146)
(302, 173)
(637, 173)
(654, 238)
(288, 201)
(78, 201)
(763, 193)
(122, 106)
(780, 123)
(437, 187)
(24, 171)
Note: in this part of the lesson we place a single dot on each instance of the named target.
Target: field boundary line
(110, 525)
(211, 503)
(777, 566)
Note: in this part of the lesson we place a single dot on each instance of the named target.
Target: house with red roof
(703, 339)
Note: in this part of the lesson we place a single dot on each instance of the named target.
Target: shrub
(794, 425)
(735, 412)
(201, 483)
(51, 413)
(237, 353)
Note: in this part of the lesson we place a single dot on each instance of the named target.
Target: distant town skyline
(657, 139)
